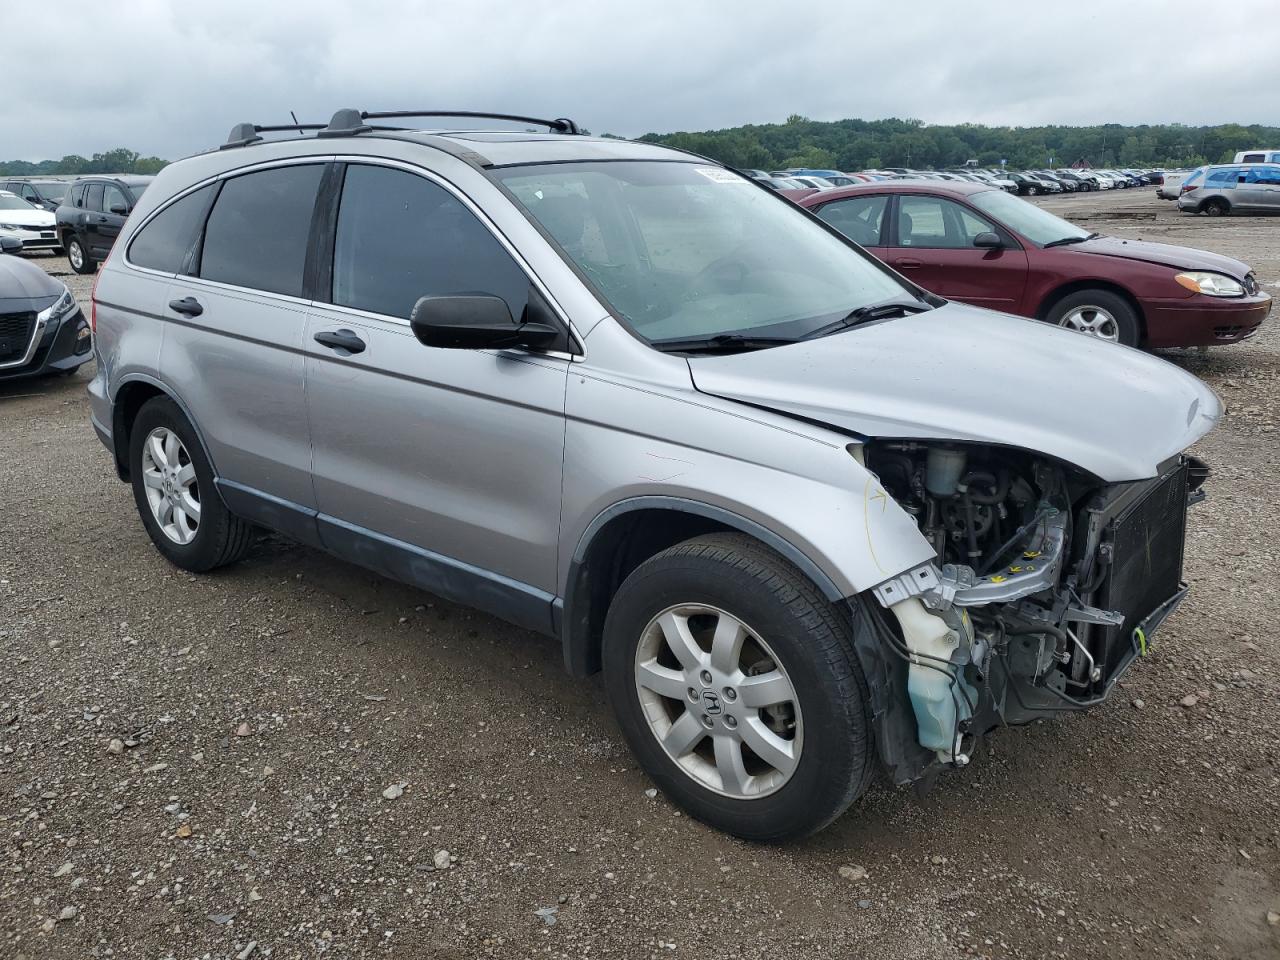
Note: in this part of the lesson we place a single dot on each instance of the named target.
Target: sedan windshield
(688, 252)
(1035, 223)
(14, 203)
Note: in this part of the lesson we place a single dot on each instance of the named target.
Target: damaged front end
(1047, 585)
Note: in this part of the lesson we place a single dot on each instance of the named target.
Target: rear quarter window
(164, 242)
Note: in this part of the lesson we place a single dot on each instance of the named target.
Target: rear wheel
(78, 256)
(1215, 207)
(173, 488)
(735, 683)
(1097, 313)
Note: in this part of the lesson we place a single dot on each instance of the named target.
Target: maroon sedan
(980, 245)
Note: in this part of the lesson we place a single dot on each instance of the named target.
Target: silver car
(1228, 188)
(809, 519)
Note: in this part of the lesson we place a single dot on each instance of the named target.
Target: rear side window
(401, 237)
(163, 243)
(93, 197)
(258, 229)
(858, 218)
(77, 195)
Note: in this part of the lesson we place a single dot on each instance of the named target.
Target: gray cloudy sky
(170, 77)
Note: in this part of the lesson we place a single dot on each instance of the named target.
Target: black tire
(1126, 318)
(78, 251)
(1215, 207)
(220, 537)
(811, 641)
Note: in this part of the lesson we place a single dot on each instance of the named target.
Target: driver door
(933, 244)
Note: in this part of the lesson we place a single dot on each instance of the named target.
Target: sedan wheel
(1094, 321)
(169, 477)
(718, 701)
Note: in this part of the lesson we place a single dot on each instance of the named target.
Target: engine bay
(1018, 617)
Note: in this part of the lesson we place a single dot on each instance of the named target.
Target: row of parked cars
(78, 216)
(810, 517)
(1024, 183)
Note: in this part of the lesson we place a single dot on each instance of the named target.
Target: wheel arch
(129, 399)
(1058, 293)
(623, 536)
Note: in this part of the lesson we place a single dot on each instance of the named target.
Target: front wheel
(78, 256)
(735, 683)
(1097, 313)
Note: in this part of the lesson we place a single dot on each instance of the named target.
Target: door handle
(187, 306)
(101, 219)
(908, 263)
(341, 340)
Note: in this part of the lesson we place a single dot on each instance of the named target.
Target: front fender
(794, 484)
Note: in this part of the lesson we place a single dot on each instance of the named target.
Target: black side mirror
(988, 240)
(476, 321)
(10, 244)
(119, 209)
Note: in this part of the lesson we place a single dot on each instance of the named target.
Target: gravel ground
(296, 758)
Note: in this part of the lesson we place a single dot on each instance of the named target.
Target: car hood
(28, 218)
(967, 374)
(20, 280)
(1181, 258)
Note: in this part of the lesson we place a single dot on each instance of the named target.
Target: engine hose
(970, 526)
(999, 488)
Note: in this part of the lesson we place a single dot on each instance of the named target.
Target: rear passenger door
(233, 345)
(440, 467)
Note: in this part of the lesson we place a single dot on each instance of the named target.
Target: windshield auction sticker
(720, 175)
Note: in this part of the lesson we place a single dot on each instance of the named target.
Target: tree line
(870, 144)
(119, 160)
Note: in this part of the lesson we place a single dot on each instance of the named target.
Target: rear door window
(93, 197)
(164, 242)
(401, 236)
(259, 227)
(861, 219)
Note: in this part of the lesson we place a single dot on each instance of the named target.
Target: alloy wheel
(718, 701)
(75, 255)
(169, 479)
(1092, 321)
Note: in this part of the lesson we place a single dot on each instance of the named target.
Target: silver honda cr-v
(807, 518)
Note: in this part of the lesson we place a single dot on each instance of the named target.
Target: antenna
(295, 120)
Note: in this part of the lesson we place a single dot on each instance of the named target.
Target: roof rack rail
(348, 123)
(243, 134)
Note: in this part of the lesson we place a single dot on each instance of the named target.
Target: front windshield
(10, 202)
(692, 251)
(1035, 223)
